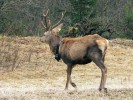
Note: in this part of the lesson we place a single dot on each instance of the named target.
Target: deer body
(81, 50)
(74, 51)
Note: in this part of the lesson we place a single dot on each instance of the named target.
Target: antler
(59, 20)
(45, 20)
(47, 24)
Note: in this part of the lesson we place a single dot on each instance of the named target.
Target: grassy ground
(28, 70)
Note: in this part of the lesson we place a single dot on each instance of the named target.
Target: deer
(79, 50)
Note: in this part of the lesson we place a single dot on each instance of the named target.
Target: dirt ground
(41, 77)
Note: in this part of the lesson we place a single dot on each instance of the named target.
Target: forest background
(113, 18)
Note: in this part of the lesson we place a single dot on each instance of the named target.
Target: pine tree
(82, 9)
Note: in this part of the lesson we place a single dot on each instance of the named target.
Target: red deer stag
(74, 51)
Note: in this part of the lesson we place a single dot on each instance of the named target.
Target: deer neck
(54, 44)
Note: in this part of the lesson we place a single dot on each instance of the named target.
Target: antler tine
(45, 14)
(45, 20)
(59, 20)
(43, 24)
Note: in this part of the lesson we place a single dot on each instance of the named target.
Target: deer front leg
(69, 70)
(69, 80)
(73, 84)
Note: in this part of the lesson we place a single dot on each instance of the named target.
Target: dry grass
(37, 75)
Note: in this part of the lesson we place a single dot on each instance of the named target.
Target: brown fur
(76, 48)
(81, 50)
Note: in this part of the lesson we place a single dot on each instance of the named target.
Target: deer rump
(80, 50)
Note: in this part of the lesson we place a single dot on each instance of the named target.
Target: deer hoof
(74, 85)
(66, 89)
(105, 90)
(100, 89)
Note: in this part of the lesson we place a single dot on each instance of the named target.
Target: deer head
(51, 31)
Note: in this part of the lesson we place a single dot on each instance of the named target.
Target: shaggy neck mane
(54, 43)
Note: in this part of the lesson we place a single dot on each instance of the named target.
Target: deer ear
(57, 29)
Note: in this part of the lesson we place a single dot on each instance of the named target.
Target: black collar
(57, 54)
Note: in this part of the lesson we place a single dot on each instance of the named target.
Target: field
(28, 71)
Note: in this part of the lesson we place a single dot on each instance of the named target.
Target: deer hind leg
(98, 60)
(103, 78)
(69, 80)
